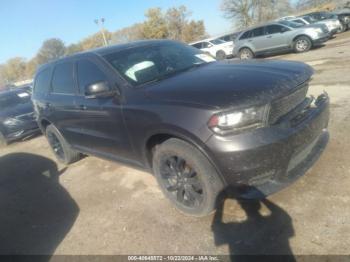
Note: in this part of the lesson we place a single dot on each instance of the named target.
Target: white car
(215, 47)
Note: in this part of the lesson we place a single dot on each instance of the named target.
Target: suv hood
(322, 25)
(228, 84)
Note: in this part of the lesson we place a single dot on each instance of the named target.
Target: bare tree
(240, 11)
(51, 49)
(245, 13)
(176, 19)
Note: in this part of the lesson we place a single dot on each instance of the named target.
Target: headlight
(236, 121)
(11, 122)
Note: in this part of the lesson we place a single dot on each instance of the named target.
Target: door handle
(270, 36)
(82, 107)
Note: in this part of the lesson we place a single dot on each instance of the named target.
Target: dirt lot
(99, 207)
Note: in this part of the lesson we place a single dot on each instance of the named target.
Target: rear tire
(220, 55)
(186, 177)
(61, 149)
(245, 54)
(3, 141)
(302, 44)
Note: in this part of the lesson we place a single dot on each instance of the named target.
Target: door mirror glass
(99, 89)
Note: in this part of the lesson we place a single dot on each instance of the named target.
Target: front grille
(284, 105)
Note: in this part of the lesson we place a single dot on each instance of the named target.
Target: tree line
(245, 13)
(174, 23)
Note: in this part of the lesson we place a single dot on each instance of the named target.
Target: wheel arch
(43, 124)
(161, 136)
(246, 47)
(302, 35)
(220, 51)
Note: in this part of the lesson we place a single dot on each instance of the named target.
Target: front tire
(302, 44)
(186, 177)
(61, 149)
(245, 54)
(220, 55)
(3, 141)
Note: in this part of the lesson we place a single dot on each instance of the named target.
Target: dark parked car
(198, 124)
(16, 116)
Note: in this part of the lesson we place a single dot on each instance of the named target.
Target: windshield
(309, 19)
(299, 21)
(217, 42)
(291, 24)
(154, 62)
(13, 99)
(324, 16)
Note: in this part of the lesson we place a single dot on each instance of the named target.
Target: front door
(275, 37)
(101, 127)
(256, 39)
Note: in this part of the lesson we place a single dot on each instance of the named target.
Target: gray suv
(279, 36)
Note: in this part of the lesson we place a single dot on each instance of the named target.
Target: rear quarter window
(42, 81)
(62, 80)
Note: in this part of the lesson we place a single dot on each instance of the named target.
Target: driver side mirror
(99, 89)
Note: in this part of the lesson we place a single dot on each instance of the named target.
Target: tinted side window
(316, 16)
(198, 45)
(62, 80)
(245, 35)
(274, 29)
(89, 73)
(42, 81)
(257, 32)
(205, 44)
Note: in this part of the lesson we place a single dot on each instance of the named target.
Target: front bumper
(21, 131)
(266, 160)
(321, 40)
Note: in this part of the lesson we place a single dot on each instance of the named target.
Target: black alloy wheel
(182, 181)
(56, 145)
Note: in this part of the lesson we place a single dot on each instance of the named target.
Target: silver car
(333, 24)
(279, 36)
(329, 19)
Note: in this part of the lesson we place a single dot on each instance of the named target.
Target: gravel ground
(99, 207)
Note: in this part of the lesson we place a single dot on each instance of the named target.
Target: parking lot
(99, 207)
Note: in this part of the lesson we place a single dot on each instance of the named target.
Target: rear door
(61, 102)
(256, 39)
